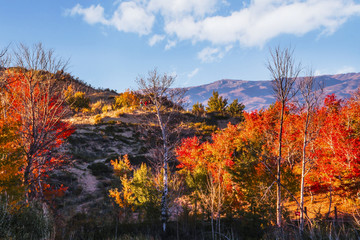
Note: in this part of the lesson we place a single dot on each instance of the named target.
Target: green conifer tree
(216, 103)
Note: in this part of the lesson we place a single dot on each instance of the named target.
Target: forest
(289, 171)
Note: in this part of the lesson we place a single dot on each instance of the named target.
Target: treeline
(218, 106)
(265, 168)
(233, 176)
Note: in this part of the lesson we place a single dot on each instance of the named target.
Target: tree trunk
(195, 216)
(278, 177)
(219, 203)
(164, 198)
(165, 169)
(330, 201)
(212, 219)
(303, 169)
(27, 180)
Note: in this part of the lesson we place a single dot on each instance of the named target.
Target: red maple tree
(35, 100)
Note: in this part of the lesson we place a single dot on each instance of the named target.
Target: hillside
(104, 133)
(100, 138)
(87, 208)
(258, 94)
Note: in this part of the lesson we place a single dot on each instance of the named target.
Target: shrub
(80, 101)
(141, 191)
(122, 166)
(126, 99)
(77, 100)
(86, 110)
(198, 109)
(97, 106)
(202, 128)
(106, 108)
(5, 219)
(98, 119)
(28, 222)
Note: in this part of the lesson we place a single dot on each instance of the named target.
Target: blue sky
(110, 42)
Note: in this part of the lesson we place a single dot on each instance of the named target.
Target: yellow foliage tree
(76, 100)
(122, 166)
(11, 160)
(126, 99)
(139, 191)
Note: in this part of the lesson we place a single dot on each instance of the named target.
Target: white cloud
(170, 44)
(180, 8)
(155, 39)
(209, 54)
(184, 29)
(91, 15)
(132, 17)
(346, 69)
(263, 20)
(319, 72)
(252, 25)
(341, 70)
(228, 48)
(193, 73)
(128, 17)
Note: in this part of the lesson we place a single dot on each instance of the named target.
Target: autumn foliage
(241, 160)
(232, 174)
(12, 158)
(140, 191)
(126, 99)
(33, 100)
(337, 166)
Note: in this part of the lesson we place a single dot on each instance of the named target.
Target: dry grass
(317, 206)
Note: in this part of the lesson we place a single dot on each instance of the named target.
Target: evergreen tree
(235, 109)
(216, 103)
(198, 109)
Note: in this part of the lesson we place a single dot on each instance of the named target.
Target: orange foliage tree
(205, 166)
(40, 110)
(257, 154)
(36, 100)
(11, 157)
(337, 168)
(240, 161)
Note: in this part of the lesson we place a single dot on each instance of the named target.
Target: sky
(111, 43)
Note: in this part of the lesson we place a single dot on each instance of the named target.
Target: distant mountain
(259, 94)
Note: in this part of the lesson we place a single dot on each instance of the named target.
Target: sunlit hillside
(84, 163)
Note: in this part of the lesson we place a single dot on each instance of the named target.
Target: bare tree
(284, 72)
(311, 93)
(4, 58)
(38, 100)
(4, 61)
(167, 102)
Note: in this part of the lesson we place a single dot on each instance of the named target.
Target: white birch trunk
(165, 169)
(303, 170)
(278, 177)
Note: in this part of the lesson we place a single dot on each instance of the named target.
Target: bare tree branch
(41, 105)
(311, 94)
(167, 102)
(284, 72)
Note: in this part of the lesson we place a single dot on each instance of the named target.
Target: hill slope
(258, 94)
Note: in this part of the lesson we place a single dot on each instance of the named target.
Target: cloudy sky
(112, 42)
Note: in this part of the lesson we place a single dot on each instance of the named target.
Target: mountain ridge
(258, 94)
